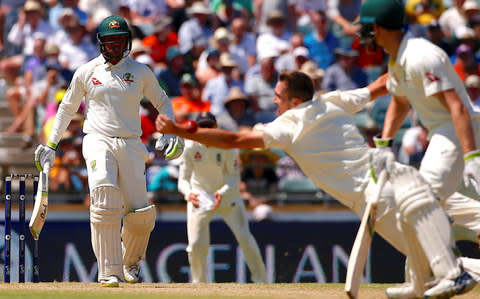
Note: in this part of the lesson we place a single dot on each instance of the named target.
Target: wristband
(383, 142)
(471, 155)
(52, 145)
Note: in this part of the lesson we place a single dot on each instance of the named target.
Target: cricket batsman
(113, 85)
(420, 74)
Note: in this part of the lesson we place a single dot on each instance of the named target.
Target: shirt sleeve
(351, 101)
(157, 96)
(431, 70)
(66, 110)
(279, 133)
(393, 86)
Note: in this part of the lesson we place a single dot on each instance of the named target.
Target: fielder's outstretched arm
(212, 137)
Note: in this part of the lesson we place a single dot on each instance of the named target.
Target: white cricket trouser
(118, 162)
(198, 230)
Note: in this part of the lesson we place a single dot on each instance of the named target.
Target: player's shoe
(405, 290)
(447, 288)
(110, 282)
(131, 273)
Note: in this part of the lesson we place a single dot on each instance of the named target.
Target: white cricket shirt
(322, 138)
(112, 96)
(420, 71)
(209, 169)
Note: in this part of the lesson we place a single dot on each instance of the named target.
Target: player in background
(113, 85)
(321, 136)
(420, 74)
(209, 179)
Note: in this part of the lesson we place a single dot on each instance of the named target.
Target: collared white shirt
(420, 71)
(209, 169)
(112, 96)
(322, 138)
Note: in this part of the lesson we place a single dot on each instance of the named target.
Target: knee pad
(137, 226)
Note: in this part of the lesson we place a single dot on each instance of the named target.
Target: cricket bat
(39, 214)
(363, 240)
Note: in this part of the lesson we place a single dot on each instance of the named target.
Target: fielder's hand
(44, 154)
(172, 146)
(472, 169)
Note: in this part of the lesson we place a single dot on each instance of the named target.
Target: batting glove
(472, 169)
(44, 154)
(380, 159)
(172, 146)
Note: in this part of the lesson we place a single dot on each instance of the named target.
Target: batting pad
(106, 212)
(419, 209)
(137, 226)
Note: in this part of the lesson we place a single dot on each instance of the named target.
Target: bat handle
(46, 167)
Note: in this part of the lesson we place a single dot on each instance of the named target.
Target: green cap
(113, 25)
(389, 14)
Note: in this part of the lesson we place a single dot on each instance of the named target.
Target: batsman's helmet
(113, 25)
(389, 14)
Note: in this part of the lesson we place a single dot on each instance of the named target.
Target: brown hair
(299, 85)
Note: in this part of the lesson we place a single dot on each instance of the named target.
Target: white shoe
(110, 282)
(405, 290)
(447, 288)
(131, 273)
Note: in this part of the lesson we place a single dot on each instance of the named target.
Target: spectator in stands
(138, 49)
(278, 39)
(258, 173)
(452, 18)
(216, 90)
(239, 116)
(220, 41)
(144, 12)
(243, 45)
(97, 10)
(296, 55)
(169, 77)
(194, 33)
(211, 69)
(162, 38)
(465, 64)
(148, 114)
(190, 102)
(34, 109)
(321, 43)
(259, 88)
(56, 11)
(30, 25)
(125, 12)
(436, 36)
(79, 49)
(344, 74)
(264, 9)
(303, 9)
(423, 12)
(471, 8)
(473, 88)
(342, 13)
(225, 11)
(316, 74)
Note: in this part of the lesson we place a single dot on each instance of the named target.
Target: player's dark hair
(299, 85)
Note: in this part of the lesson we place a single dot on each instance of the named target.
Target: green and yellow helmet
(110, 26)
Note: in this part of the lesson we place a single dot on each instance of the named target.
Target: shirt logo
(95, 81)
(128, 77)
(197, 156)
(432, 77)
(93, 165)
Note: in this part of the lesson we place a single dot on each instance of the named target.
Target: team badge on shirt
(432, 77)
(198, 156)
(96, 82)
(128, 77)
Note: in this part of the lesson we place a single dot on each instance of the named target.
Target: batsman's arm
(396, 113)
(211, 137)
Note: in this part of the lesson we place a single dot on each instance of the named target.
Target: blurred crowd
(221, 56)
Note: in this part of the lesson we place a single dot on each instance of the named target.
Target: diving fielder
(420, 74)
(214, 172)
(112, 86)
(323, 139)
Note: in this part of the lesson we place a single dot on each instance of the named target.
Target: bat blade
(363, 240)
(39, 214)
